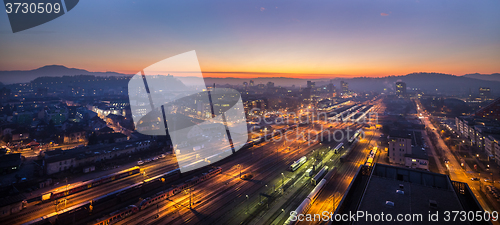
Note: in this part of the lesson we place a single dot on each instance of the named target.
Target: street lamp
(248, 204)
(283, 182)
(66, 194)
(190, 195)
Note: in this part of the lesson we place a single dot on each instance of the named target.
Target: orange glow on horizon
(307, 72)
(304, 71)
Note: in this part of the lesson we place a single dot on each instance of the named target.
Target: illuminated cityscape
(83, 156)
(251, 113)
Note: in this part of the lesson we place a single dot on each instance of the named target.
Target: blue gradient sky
(347, 38)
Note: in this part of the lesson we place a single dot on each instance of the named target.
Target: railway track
(240, 186)
(77, 198)
(346, 173)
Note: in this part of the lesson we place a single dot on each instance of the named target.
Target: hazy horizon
(246, 75)
(354, 38)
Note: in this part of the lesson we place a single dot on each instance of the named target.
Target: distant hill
(491, 77)
(429, 83)
(24, 76)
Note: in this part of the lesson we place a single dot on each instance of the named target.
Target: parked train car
(338, 148)
(118, 215)
(342, 113)
(306, 204)
(55, 216)
(317, 165)
(101, 203)
(62, 191)
(295, 165)
(39, 221)
(319, 175)
(310, 172)
(353, 114)
(355, 137)
(252, 142)
(160, 196)
(109, 200)
(371, 157)
(159, 180)
(362, 114)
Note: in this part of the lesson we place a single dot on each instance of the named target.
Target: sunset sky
(316, 38)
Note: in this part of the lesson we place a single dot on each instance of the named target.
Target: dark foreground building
(414, 196)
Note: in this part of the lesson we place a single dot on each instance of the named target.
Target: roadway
(31, 153)
(456, 171)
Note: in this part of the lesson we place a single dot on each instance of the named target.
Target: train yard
(276, 168)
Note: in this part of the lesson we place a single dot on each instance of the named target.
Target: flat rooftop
(415, 199)
(412, 192)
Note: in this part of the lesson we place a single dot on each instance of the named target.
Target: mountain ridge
(490, 77)
(441, 82)
(61, 70)
(25, 76)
